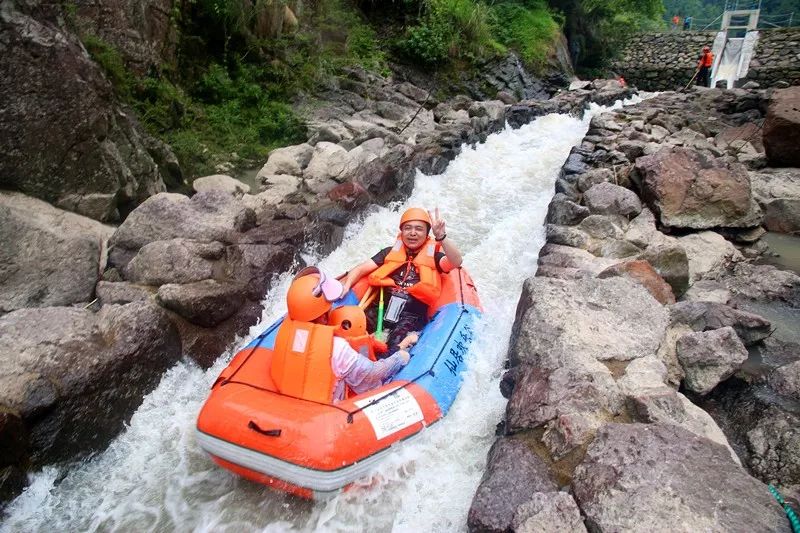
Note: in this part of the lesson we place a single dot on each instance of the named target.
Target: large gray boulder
(63, 370)
(705, 316)
(710, 357)
(548, 512)
(778, 193)
(49, 257)
(708, 253)
(204, 303)
(657, 477)
(782, 128)
(571, 402)
(207, 216)
(785, 380)
(690, 189)
(65, 138)
(774, 447)
(513, 474)
(609, 199)
(605, 319)
(173, 261)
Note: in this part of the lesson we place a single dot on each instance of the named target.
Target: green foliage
(528, 27)
(451, 29)
(472, 29)
(109, 59)
(226, 111)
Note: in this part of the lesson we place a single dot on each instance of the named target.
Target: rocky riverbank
(183, 276)
(644, 301)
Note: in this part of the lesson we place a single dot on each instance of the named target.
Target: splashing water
(154, 476)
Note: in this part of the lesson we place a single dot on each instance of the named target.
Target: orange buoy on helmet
(305, 301)
(415, 213)
(349, 320)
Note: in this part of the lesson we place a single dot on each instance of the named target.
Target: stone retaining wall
(666, 61)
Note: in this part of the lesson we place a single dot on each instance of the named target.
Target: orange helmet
(415, 213)
(305, 301)
(350, 321)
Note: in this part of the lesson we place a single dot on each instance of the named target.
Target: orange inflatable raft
(314, 449)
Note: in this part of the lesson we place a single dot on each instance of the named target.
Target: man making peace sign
(409, 272)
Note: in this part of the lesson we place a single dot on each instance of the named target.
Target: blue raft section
(438, 360)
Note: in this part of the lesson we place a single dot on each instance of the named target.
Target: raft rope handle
(794, 520)
(268, 432)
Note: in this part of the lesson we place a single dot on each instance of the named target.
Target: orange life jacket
(301, 361)
(707, 59)
(429, 287)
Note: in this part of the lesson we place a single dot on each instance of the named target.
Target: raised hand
(437, 225)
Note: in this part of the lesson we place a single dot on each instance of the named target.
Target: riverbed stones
(609, 199)
(49, 257)
(706, 316)
(604, 319)
(689, 189)
(221, 182)
(206, 216)
(774, 447)
(785, 380)
(643, 273)
(645, 477)
(204, 303)
(513, 474)
(290, 160)
(710, 357)
(564, 211)
(782, 128)
(671, 262)
(708, 253)
(173, 261)
(58, 391)
(548, 512)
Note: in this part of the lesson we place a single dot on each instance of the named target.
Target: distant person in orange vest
(329, 365)
(675, 21)
(409, 272)
(704, 67)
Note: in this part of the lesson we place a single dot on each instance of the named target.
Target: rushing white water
(154, 477)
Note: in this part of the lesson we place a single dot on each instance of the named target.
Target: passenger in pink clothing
(350, 367)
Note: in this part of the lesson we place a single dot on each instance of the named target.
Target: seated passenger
(411, 271)
(309, 360)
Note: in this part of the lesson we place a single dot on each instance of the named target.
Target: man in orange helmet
(704, 67)
(409, 272)
(329, 363)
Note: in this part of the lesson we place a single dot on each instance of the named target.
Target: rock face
(778, 193)
(782, 128)
(633, 471)
(66, 140)
(47, 379)
(143, 33)
(49, 256)
(687, 189)
(605, 319)
(513, 474)
(710, 357)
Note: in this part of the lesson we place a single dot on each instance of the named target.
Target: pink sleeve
(358, 371)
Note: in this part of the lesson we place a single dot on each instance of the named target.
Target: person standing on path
(704, 67)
